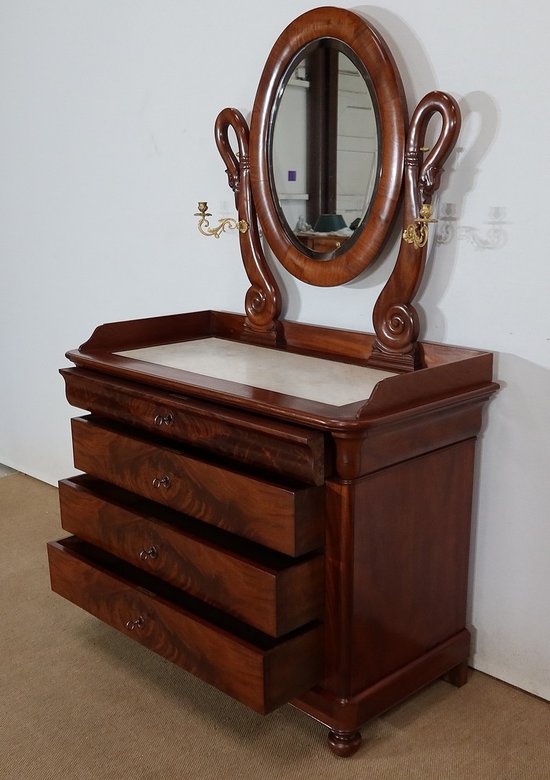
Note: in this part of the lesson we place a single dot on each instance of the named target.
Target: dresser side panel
(412, 538)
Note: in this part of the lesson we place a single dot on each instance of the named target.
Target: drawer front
(283, 449)
(285, 519)
(327, 244)
(272, 592)
(261, 674)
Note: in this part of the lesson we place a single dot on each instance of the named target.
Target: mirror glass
(324, 147)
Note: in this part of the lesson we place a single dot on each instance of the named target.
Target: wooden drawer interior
(259, 671)
(268, 590)
(285, 518)
(277, 447)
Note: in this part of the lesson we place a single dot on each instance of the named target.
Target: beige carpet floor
(79, 701)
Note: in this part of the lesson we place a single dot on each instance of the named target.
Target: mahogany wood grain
(371, 50)
(288, 519)
(344, 743)
(349, 714)
(262, 674)
(277, 447)
(396, 555)
(332, 343)
(390, 453)
(321, 243)
(271, 592)
(450, 382)
(406, 435)
(149, 330)
(263, 298)
(452, 370)
(339, 557)
(458, 675)
(396, 321)
(250, 512)
(410, 585)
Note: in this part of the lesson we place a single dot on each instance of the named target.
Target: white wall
(106, 145)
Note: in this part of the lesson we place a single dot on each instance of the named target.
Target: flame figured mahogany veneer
(278, 547)
(284, 509)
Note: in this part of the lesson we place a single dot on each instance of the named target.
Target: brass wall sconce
(417, 232)
(228, 223)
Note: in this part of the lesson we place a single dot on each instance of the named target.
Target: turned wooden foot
(458, 675)
(344, 743)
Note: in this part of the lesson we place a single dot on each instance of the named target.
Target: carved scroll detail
(395, 319)
(263, 299)
(400, 326)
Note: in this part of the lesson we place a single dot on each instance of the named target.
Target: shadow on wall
(479, 130)
(491, 235)
(410, 58)
(480, 124)
(418, 78)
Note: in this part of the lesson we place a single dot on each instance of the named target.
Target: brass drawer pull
(135, 623)
(164, 419)
(152, 552)
(162, 482)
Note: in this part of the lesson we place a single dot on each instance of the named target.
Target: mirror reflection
(324, 148)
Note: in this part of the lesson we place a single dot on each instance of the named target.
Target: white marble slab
(316, 379)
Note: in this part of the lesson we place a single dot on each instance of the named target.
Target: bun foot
(344, 743)
(458, 675)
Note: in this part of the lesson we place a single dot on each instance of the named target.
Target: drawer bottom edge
(259, 671)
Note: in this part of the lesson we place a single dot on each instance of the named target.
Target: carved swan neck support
(263, 299)
(395, 319)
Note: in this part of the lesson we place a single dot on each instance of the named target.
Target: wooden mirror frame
(404, 159)
(341, 265)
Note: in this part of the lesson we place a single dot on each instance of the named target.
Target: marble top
(316, 379)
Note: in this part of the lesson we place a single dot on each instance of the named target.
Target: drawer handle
(135, 623)
(164, 419)
(152, 552)
(162, 482)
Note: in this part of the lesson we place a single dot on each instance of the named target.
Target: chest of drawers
(321, 242)
(279, 547)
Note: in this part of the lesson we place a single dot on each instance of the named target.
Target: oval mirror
(324, 161)
(327, 145)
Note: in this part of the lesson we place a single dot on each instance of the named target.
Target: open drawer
(270, 591)
(283, 517)
(259, 671)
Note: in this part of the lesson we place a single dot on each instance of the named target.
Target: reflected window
(325, 157)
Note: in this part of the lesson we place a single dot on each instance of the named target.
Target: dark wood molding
(452, 370)
(395, 319)
(265, 514)
(345, 263)
(280, 547)
(263, 299)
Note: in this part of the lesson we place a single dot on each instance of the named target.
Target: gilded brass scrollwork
(227, 223)
(417, 232)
